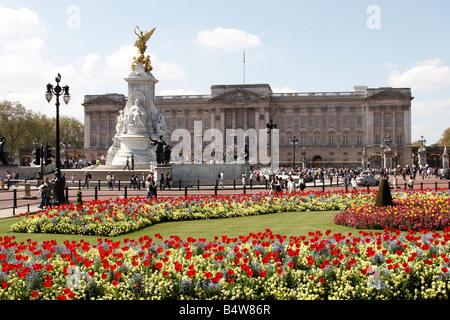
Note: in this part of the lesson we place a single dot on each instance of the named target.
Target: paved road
(31, 204)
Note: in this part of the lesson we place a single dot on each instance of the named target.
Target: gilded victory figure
(141, 44)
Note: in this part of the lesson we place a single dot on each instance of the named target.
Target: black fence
(18, 193)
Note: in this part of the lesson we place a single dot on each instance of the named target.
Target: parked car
(444, 174)
(367, 181)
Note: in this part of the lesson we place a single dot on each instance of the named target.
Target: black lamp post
(269, 127)
(294, 141)
(58, 182)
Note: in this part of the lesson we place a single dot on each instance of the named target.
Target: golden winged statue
(141, 44)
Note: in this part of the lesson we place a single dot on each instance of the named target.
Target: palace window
(345, 121)
(359, 141)
(345, 140)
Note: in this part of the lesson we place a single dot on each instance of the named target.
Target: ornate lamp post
(269, 127)
(294, 141)
(58, 182)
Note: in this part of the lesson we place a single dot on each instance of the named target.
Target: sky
(292, 45)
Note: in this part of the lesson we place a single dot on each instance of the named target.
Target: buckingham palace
(316, 129)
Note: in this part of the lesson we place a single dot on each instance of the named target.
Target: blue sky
(297, 46)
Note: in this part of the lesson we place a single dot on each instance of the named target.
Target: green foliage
(21, 127)
(384, 197)
(79, 198)
(445, 140)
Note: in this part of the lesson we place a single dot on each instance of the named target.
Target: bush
(79, 198)
(384, 197)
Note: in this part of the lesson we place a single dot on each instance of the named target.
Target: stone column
(388, 158)
(445, 163)
(87, 129)
(422, 156)
(365, 159)
(257, 119)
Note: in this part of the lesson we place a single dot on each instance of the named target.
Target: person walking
(151, 187)
(221, 179)
(87, 177)
(41, 193)
(290, 185)
(127, 164)
(353, 182)
(167, 181)
(48, 192)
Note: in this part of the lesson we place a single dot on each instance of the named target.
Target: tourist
(87, 177)
(151, 187)
(41, 192)
(301, 182)
(127, 164)
(221, 179)
(290, 185)
(411, 183)
(167, 181)
(48, 192)
(161, 182)
(353, 182)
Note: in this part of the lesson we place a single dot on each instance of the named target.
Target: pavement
(29, 202)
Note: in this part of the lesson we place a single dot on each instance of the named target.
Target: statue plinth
(139, 121)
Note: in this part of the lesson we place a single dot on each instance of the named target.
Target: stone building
(331, 129)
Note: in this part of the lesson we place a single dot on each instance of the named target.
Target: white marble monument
(141, 119)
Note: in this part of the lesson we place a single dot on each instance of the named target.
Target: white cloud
(228, 39)
(20, 22)
(426, 75)
(283, 90)
(26, 68)
(439, 106)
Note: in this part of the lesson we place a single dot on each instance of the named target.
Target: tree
(14, 125)
(445, 140)
(21, 127)
(384, 197)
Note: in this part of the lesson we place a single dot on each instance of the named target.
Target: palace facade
(316, 129)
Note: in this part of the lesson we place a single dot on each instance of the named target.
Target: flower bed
(114, 217)
(382, 265)
(422, 211)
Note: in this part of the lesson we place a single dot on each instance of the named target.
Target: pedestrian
(221, 179)
(109, 180)
(411, 183)
(353, 182)
(41, 193)
(73, 178)
(87, 177)
(127, 164)
(395, 182)
(48, 192)
(151, 187)
(272, 186)
(161, 182)
(301, 183)
(167, 181)
(290, 185)
(38, 179)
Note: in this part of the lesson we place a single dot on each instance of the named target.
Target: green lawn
(289, 224)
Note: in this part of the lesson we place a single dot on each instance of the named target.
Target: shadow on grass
(283, 223)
